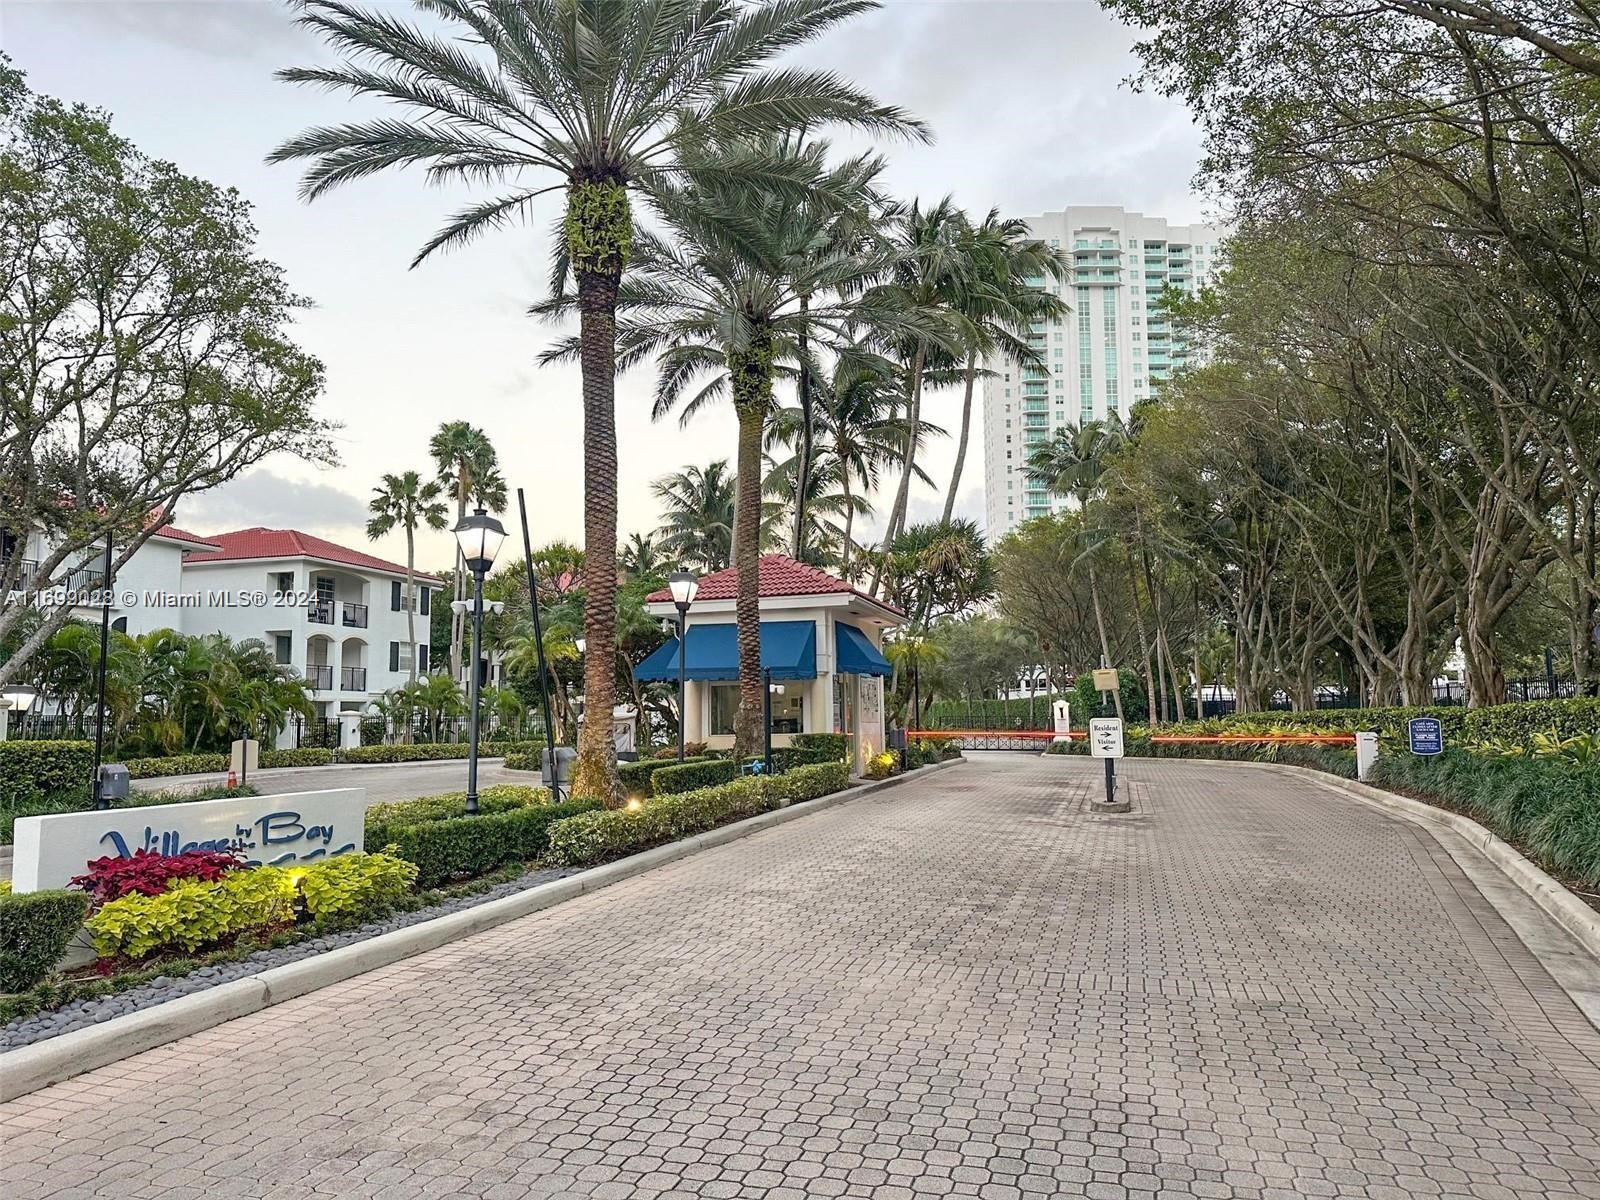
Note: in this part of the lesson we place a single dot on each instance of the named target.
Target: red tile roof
(183, 535)
(291, 543)
(778, 575)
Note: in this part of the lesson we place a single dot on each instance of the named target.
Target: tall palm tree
(1002, 294)
(727, 299)
(1073, 463)
(930, 270)
(469, 468)
(598, 100)
(857, 433)
(406, 502)
(697, 507)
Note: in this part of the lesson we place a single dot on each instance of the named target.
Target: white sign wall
(271, 830)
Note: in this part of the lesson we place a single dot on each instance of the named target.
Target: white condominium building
(1106, 353)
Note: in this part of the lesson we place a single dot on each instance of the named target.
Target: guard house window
(788, 707)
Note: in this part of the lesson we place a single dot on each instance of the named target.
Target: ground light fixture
(479, 537)
(684, 586)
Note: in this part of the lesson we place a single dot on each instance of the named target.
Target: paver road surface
(964, 986)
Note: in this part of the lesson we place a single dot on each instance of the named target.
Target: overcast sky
(1026, 101)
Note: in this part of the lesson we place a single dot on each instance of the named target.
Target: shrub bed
(686, 777)
(193, 913)
(1548, 808)
(35, 928)
(610, 833)
(1336, 760)
(306, 756)
(432, 751)
(512, 825)
(636, 776)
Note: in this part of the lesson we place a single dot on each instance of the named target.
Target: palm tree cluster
(166, 692)
(766, 260)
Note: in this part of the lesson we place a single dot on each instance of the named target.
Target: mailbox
(113, 781)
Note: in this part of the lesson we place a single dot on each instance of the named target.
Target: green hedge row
(35, 928)
(835, 747)
(1336, 760)
(957, 714)
(597, 836)
(460, 847)
(1548, 809)
(686, 777)
(636, 776)
(1501, 722)
(29, 770)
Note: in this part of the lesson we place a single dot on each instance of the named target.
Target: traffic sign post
(1105, 742)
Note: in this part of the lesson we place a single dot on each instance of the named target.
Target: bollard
(1366, 754)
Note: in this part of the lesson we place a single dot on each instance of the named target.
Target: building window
(724, 704)
(285, 581)
(282, 648)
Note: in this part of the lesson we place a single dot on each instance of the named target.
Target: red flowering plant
(149, 873)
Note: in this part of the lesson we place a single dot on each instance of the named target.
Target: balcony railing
(320, 677)
(354, 616)
(353, 679)
(320, 612)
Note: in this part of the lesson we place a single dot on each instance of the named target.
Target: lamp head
(480, 536)
(684, 586)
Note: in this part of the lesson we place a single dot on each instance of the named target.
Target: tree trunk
(803, 475)
(897, 514)
(595, 771)
(752, 390)
(458, 620)
(849, 522)
(1105, 644)
(961, 442)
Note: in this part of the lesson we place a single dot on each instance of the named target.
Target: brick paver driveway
(967, 986)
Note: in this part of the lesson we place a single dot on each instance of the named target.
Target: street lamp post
(479, 536)
(684, 587)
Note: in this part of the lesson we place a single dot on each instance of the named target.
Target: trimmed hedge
(29, 770)
(1508, 722)
(462, 846)
(1550, 809)
(35, 928)
(611, 833)
(834, 746)
(433, 751)
(384, 819)
(686, 777)
(636, 776)
(305, 756)
(1336, 760)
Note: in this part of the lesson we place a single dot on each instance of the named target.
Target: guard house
(821, 639)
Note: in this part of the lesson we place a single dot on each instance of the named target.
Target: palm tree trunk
(458, 619)
(897, 514)
(849, 523)
(752, 389)
(595, 772)
(961, 442)
(803, 475)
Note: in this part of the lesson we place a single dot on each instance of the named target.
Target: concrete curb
(29, 1068)
(1560, 905)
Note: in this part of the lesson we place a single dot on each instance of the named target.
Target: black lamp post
(479, 536)
(97, 785)
(684, 586)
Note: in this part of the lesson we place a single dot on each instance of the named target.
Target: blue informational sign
(1426, 735)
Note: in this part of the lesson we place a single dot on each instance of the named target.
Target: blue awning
(788, 650)
(857, 654)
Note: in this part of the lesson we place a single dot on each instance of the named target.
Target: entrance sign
(1426, 735)
(268, 830)
(1105, 679)
(1105, 737)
